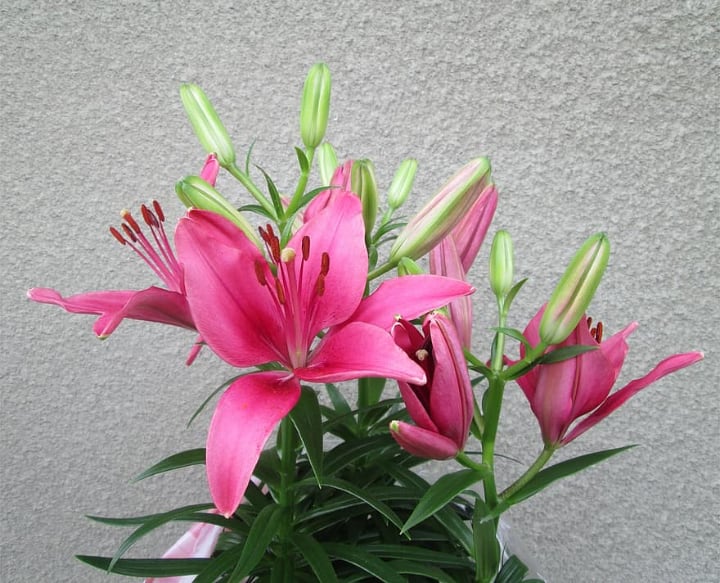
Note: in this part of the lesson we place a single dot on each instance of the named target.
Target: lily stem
(249, 185)
(286, 494)
(530, 473)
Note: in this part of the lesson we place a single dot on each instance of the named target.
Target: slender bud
(362, 183)
(402, 183)
(576, 288)
(327, 162)
(207, 125)
(315, 105)
(196, 193)
(407, 266)
(501, 264)
(445, 210)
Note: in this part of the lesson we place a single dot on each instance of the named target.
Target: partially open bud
(501, 264)
(327, 162)
(438, 217)
(207, 125)
(315, 105)
(362, 183)
(402, 183)
(575, 290)
(196, 193)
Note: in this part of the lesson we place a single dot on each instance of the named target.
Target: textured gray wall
(601, 117)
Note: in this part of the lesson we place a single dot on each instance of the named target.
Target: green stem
(530, 473)
(530, 356)
(286, 494)
(251, 188)
(302, 184)
(378, 271)
(463, 459)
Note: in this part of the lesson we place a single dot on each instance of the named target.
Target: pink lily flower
(253, 311)
(340, 181)
(442, 407)
(197, 543)
(470, 232)
(562, 392)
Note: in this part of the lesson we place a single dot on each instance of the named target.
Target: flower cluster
(291, 299)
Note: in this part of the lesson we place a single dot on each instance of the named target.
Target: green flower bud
(445, 210)
(207, 125)
(327, 162)
(407, 266)
(402, 183)
(194, 192)
(575, 289)
(362, 183)
(315, 105)
(501, 264)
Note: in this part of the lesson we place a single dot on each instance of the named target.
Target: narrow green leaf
(513, 571)
(219, 565)
(363, 495)
(274, 194)
(150, 525)
(549, 475)
(442, 492)
(346, 453)
(264, 528)
(414, 553)
(248, 156)
(202, 406)
(302, 160)
(314, 553)
(564, 353)
(476, 364)
(190, 457)
(369, 391)
(147, 567)
(307, 419)
(257, 209)
(514, 334)
(268, 467)
(512, 293)
(487, 546)
(365, 561)
(422, 569)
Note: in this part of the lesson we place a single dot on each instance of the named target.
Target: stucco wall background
(600, 117)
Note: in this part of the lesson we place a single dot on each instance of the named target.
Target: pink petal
(210, 170)
(451, 398)
(615, 348)
(409, 296)
(338, 231)
(470, 232)
(234, 313)
(245, 417)
(152, 304)
(421, 442)
(445, 260)
(416, 399)
(341, 180)
(665, 367)
(359, 350)
(197, 543)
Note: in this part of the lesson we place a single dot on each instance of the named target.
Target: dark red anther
(131, 221)
(128, 231)
(158, 211)
(305, 247)
(280, 292)
(148, 217)
(589, 322)
(320, 285)
(115, 233)
(599, 332)
(324, 264)
(260, 272)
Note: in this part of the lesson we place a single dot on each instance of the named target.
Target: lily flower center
(597, 331)
(285, 287)
(158, 254)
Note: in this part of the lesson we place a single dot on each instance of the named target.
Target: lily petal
(409, 296)
(233, 312)
(245, 416)
(470, 232)
(421, 442)
(359, 350)
(665, 367)
(153, 304)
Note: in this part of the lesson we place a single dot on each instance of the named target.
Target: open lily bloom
(562, 392)
(252, 311)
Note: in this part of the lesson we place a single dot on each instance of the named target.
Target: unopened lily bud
(576, 288)
(196, 193)
(409, 267)
(207, 125)
(438, 217)
(315, 105)
(402, 183)
(501, 264)
(327, 162)
(362, 183)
